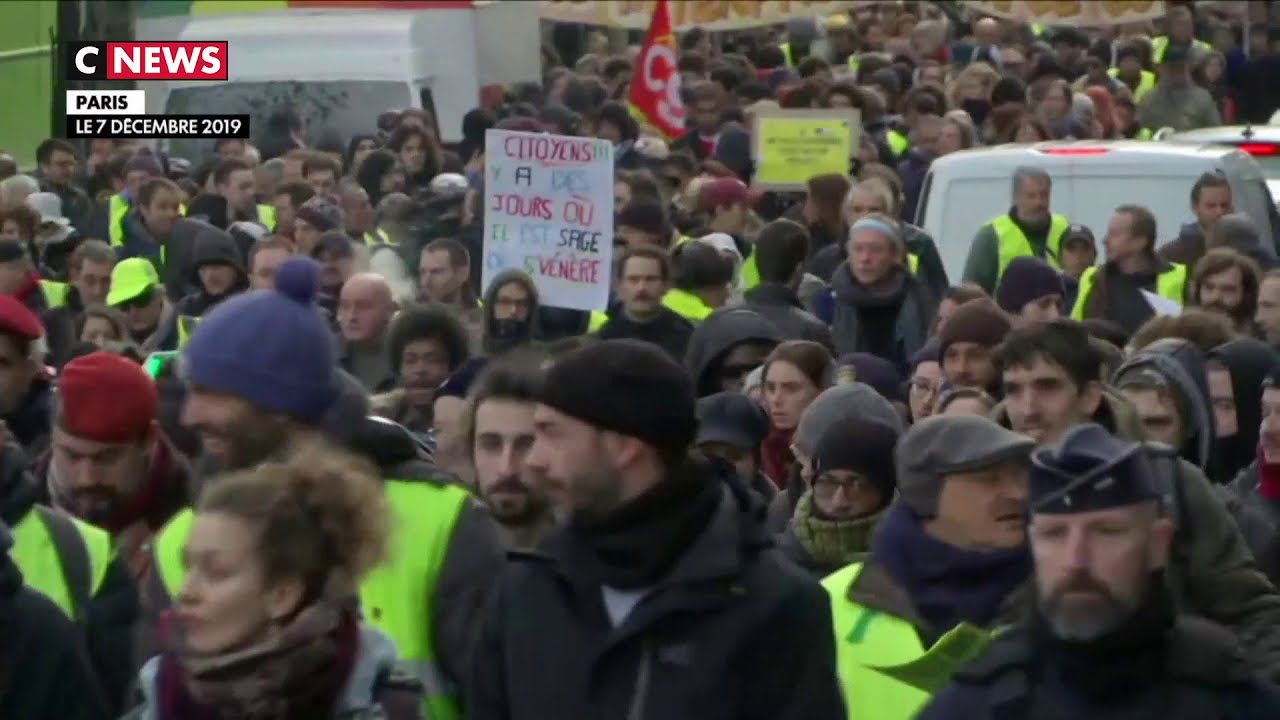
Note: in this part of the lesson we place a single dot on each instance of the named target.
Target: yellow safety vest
(378, 237)
(398, 596)
(186, 328)
(1160, 44)
(118, 208)
(1146, 83)
(750, 274)
(596, 321)
(1170, 285)
(267, 217)
(45, 559)
(1014, 243)
(55, 293)
(686, 305)
(885, 673)
(913, 263)
(786, 53)
(898, 143)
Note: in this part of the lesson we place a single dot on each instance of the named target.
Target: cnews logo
(146, 60)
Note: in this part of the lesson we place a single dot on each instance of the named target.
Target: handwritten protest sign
(791, 146)
(1093, 13)
(549, 212)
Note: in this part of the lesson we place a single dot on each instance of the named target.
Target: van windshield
(339, 109)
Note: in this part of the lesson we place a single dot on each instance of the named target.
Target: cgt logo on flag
(146, 60)
(655, 94)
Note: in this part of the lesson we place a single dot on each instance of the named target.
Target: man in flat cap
(1105, 639)
(947, 565)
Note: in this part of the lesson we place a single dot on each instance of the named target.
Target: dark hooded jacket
(213, 247)
(1182, 367)
(500, 336)
(109, 615)
(721, 332)
(731, 630)
(1249, 362)
(177, 270)
(45, 669)
(781, 306)
(668, 330)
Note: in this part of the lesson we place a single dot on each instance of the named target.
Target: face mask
(977, 109)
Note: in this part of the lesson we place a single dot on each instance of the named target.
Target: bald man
(365, 307)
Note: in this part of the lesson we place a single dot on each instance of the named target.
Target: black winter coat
(735, 631)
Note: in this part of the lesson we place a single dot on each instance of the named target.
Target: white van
(966, 189)
(341, 68)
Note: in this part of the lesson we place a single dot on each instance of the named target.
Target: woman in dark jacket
(264, 627)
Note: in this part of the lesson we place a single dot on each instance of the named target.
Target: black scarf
(636, 545)
(1111, 668)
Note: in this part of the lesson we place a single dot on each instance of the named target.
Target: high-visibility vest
(913, 263)
(1014, 243)
(750, 274)
(396, 597)
(1146, 83)
(267, 217)
(1160, 44)
(1170, 285)
(885, 673)
(898, 143)
(378, 237)
(51, 549)
(55, 293)
(596, 321)
(118, 208)
(686, 305)
(1142, 134)
(786, 53)
(186, 328)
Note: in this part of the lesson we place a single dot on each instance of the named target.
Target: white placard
(1161, 305)
(549, 212)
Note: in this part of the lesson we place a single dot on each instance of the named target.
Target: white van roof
(318, 44)
(1002, 159)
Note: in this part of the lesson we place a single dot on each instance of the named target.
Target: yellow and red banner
(655, 84)
(1080, 13)
(712, 15)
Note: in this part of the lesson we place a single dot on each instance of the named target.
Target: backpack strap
(73, 555)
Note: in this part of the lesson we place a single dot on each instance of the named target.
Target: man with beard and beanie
(727, 346)
(262, 379)
(510, 307)
(47, 673)
(853, 483)
(732, 427)
(1235, 371)
(221, 272)
(1106, 638)
(967, 344)
(109, 462)
(643, 279)
(662, 560)
(1167, 383)
(879, 307)
(500, 425)
(948, 567)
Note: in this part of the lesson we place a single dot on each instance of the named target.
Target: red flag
(655, 87)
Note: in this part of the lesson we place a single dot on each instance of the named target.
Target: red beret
(107, 398)
(17, 320)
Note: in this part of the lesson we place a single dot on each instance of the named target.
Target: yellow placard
(1080, 13)
(791, 146)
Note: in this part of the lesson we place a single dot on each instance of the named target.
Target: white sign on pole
(549, 212)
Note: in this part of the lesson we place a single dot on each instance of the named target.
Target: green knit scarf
(833, 542)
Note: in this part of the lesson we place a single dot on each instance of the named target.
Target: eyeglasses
(826, 486)
(920, 386)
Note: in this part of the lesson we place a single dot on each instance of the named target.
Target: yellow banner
(714, 15)
(791, 146)
(1085, 13)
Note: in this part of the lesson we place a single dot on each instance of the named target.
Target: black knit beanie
(861, 445)
(1027, 279)
(629, 387)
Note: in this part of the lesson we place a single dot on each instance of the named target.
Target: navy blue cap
(1090, 469)
(733, 419)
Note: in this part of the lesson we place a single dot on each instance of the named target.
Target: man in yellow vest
(262, 376)
(1180, 25)
(1135, 283)
(911, 614)
(1029, 228)
(69, 561)
(1102, 544)
(662, 596)
(233, 180)
(1129, 71)
(701, 281)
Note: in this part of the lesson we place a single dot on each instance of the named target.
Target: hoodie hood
(216, 247)
(494, 343)
(1182, 367)
(1249, 362)
(720, 332)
